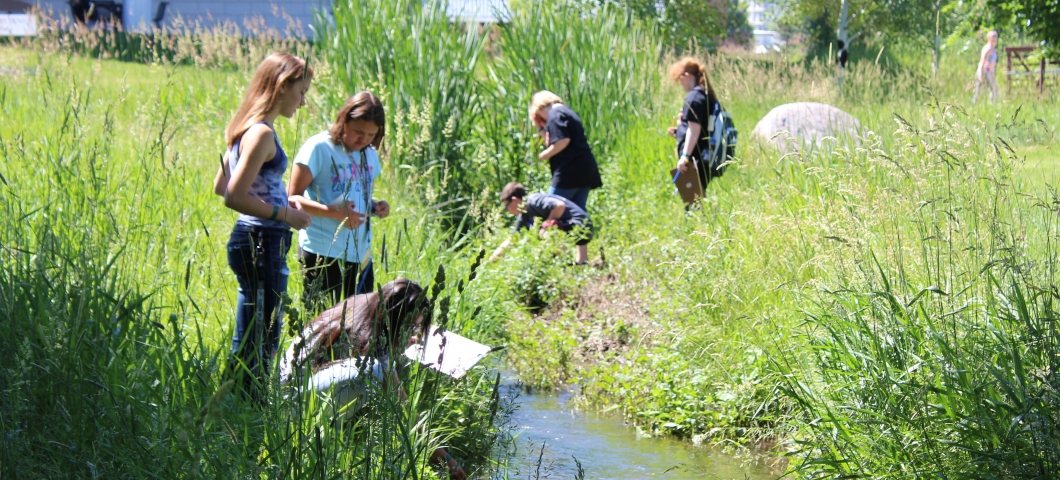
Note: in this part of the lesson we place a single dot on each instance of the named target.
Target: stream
(606, 447)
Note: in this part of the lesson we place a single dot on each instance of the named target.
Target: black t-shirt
(540, 205)
(575, 166)
(698, 108)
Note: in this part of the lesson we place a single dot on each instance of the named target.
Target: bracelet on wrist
(275, 211)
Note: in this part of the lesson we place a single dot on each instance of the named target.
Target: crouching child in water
(353, 344)
(555, 212)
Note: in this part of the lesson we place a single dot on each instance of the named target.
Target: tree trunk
(844, 20)
(937, 46)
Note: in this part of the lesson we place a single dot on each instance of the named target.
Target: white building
(761, 14)
(281, 15)
(15, 20)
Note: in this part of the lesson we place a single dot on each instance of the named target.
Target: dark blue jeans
(258, 257)
(577, 195)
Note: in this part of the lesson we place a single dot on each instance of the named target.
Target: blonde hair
(276, 72)
(542, 99)
(692, 67)
(362, 106)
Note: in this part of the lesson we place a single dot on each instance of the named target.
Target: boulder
(794, 125)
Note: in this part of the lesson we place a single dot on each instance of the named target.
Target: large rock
(802, 124)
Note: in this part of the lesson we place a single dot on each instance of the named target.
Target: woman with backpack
(696, 119)
(251, 181)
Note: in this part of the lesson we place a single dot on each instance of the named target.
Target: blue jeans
(577, 195)
(258, 257)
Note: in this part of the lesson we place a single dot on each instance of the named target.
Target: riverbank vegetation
(879, 307)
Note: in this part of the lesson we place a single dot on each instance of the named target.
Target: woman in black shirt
(574, 170)
(696, 118)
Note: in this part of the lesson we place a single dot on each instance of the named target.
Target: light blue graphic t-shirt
(338, 176)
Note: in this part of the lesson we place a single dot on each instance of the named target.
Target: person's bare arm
(500, 250)
(258, 145)
(220, 181)
(691, 140)
(983, 64)
(301, 177)
(455, 471)
(554, 149)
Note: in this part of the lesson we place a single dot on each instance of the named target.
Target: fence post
(1008, 68)
(1041, 80)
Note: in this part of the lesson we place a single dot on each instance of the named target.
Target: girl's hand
(295, 217)
(349, 214)
(382, 209)
(682, 164)
(672, 131)
(456, 472)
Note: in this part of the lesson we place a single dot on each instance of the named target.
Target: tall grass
(932, 353)
(714, 299)
(424, 68)
(117, 302)
(182, 41)
(880, 308)
(601, 62)
(458, 93)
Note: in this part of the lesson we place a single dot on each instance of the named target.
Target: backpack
(723, 139)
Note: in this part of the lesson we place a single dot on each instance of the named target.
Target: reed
(110, 274)
(880, 307)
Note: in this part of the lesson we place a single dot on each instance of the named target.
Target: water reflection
(607, 449)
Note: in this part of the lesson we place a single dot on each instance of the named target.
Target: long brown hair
(692, 66)
(372, 320)
(277, 71)
(362, 106)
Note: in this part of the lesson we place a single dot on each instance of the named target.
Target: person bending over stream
(353, 343)
(555, 211)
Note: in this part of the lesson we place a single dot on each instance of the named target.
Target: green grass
(118, 300)
(809, 296)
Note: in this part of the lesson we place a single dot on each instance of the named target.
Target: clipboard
(687, 183)
(449, 353)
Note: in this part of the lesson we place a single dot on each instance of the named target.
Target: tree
(737, 28)
(895, 20)
(1038, 19)
(703, 23)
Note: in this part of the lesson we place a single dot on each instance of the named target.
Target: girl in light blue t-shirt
(332, 180)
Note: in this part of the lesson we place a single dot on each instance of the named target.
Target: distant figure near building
(987, 68)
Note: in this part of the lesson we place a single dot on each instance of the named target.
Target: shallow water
(608, 449)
